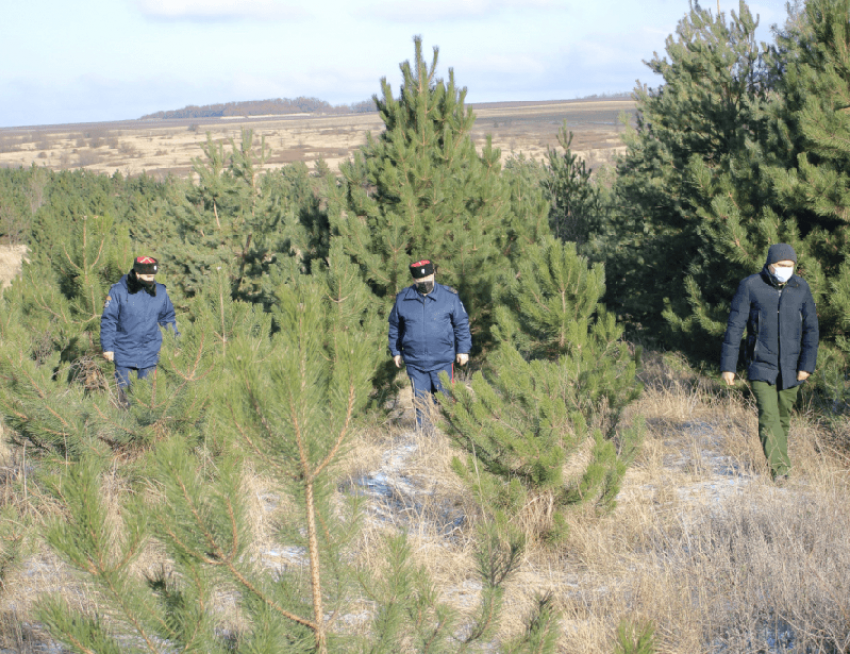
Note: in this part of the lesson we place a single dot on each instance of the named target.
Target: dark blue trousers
(122, 375)
(425, 383)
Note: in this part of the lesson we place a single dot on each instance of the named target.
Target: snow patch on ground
(405, 501)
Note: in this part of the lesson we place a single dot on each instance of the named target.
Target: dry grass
(701, 543)
(161, 147)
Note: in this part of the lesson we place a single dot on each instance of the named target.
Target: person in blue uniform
(778, 310)
(429, 332)
(135, 309)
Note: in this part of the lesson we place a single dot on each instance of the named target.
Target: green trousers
(774, 422)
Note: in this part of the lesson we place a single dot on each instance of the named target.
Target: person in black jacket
(778, 310)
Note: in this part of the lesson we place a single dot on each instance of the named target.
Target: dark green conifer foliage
(156, 613)
(295, 403)
(233, 219)
(577, 202)
(56, 391)
(771, 168)
(284, 404)
(696, 156)
(733, 204)
(67, 409)
(561, 374)
(420, 190)
(289, 403)
(104, 550)
(61, 294)
(814, 186)
(526, 179)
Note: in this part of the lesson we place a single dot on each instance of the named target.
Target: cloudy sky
(95, 60)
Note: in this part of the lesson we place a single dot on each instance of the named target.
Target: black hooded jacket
(782, 329)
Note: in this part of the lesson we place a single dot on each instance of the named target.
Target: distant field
(168, 146)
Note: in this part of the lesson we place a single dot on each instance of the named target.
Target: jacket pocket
(448, 337)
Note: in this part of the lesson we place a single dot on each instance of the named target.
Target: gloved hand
(397, 360)
(109, 356)
(462, 359)
(729, 378)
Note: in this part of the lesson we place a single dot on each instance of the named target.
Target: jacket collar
(771, 280)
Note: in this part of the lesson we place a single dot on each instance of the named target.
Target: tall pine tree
(421, 190)
(698, 150)
(769, 165)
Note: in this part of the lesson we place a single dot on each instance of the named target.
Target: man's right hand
(729, 378)
(109, 356)
(397, 360)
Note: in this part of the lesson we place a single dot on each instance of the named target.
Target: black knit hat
(145, 265)
(421, 269)
(781, 252)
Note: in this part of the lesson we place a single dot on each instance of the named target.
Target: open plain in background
(159, 147)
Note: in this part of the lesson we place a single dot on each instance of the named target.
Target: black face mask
(424, 287)
(135, 284)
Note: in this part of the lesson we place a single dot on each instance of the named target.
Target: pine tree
(421, 191)
(697, 157)
(785, 179)
(284, 403)
(68, 409)
(62, 291)
(170, 417)
(237, 218)
(410, 616)
(734, 203)
(577, 203)
(561, 374)
(813, 64)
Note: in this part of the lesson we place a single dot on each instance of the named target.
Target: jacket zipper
(779, 332)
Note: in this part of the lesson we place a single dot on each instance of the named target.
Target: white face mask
(783, 273)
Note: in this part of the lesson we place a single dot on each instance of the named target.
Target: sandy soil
(168, 146)
(11, 257)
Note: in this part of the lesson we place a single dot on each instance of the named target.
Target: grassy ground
(701, 544)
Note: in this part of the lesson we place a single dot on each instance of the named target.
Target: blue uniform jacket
(782, 329)
(428, 331)
(130, 324)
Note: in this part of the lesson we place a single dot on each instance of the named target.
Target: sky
(104, 60)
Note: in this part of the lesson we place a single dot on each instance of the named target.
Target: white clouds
(220, 9)
(336, 50)
(438, 10)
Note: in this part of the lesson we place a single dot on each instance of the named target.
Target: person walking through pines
(129, 328)
(429, 331)
(778, 310)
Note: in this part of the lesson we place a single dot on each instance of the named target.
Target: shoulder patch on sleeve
(450, 289)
